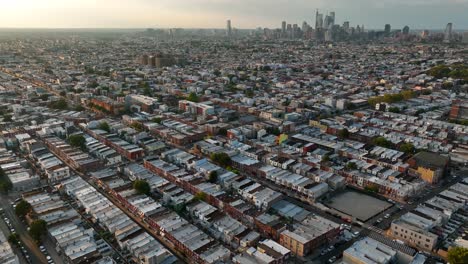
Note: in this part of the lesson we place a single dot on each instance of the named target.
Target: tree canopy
(142, 187)
(221, 159)
(382, 142)
(193, 97)
(408, 148)
(392, 98)
(23, 208)
(61, 104)
(343, 133)
(5, 183)
(37, 229)
(457, 71)
(78, 141)
(458, 255)
(213, 177)
(104, 126)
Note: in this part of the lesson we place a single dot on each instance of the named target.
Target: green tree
(351, 166)
(439, 71)
(221, 159)
(5, 183)
(147, 91)
(199, 196)
(77, 141)
(14, 239)
(394, 109)
(79, 108)
(7, 118)
(273, 130)
(372, 188)
(222, 131)
(142, 187)
(44, 97)
(23, 208)
(61, 104)
(213, 177)
(458, 255)
(137, 126)
(104, 126)
(5, 186)
(157, 120)
(37, 229)
(407, 148)
(382, 142)
(326, 158)
(343, 133)
(193, 97)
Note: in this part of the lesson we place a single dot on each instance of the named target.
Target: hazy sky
(420, 14)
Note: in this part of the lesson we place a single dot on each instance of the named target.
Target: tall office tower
(289, 30)
(328, 36)
(387, 30)
(229, 28)
(465, 37)
(326, 22)
(406, 30)
(346, 26)
(448, 33)
(304, 26)
(332, 19)
(295, 31)
(318, 20)
(283, 28)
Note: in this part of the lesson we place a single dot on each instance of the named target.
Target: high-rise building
(387, 30)
(304, 26)
(318, 20)
(289, 31)
(283, 28)
(229, 28)
(465, 37)
(346, 26)
(327, 22)
(448, 33)
(295, 31)
(405, 30)
(332, 19)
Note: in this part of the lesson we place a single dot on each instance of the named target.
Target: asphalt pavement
(31, 247)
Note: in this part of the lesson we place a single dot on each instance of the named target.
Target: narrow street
(36, 255)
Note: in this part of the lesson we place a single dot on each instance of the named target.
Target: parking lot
(358, 205)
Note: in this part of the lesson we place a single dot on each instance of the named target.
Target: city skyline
(417, 14)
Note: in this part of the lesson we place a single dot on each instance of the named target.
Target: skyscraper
(318, 20)
(289, 31)
(346, 26)
(304, 26)
(387, 30)
(448, 33)
(465, 37)
(229, 28)
(295, 31)
(283, 28)
(332, 19)
(406, 30)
